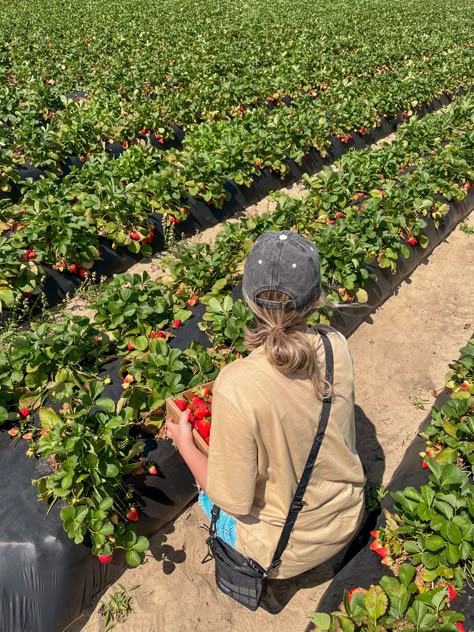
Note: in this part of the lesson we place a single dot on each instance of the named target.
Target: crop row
(427, 540)
(59, 223)
(203, 63)
(371, 209)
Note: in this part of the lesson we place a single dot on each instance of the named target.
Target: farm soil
(400, 360)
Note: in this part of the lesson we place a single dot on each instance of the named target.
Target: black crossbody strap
(297, 503)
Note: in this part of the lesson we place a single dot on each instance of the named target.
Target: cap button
(283, 237)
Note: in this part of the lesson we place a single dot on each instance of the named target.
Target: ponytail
(280, 333)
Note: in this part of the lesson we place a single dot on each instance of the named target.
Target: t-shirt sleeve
(232, 464)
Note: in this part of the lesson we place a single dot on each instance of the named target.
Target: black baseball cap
(285, 262)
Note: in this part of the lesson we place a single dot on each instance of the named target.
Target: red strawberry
(28, 294)
(124, 182)
(82, 158)
(468, 185)
(160, 334)
(433, 153)
(132, 515)
(104, 559)
(175, 220)
(30, 254)
(192, 419)
(24, 412)
(452, 594)
(339, 215)
(89, 154)
(413, 241)
(382, 176)
(130, 347)
(124, 144)
(197, 401)
(153, 470)
(460, 626)
(331, 221)
(13, 432)
(177, 323)
(149, 239)
(128, 379)
(202, 412)
(206, 391)
(181, 404)
(73, 268)
(203, 427)
(134, 236)
(341, 291)
(84, 273)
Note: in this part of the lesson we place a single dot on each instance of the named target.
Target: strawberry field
(112, 137)
(126, 126)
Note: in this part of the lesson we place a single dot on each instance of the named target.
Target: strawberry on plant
(341, 291)
(130, 347)
(134, 236)
(24, 412)
(104, 559)
(153, 470)
(339, 215)
(73, 268)
(27, 436)
(331, 222)
(128, 379)
(82, 158)
(13, 432)
(413, 241)
(132, 515)
(460, 626)
(177, 323)
(452, 594)
(175, 220)
(84, 273)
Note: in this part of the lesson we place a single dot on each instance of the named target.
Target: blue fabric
(226, 526)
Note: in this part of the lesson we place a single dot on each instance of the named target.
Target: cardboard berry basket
(174, 413)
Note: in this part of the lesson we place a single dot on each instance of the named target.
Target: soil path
(400, 361)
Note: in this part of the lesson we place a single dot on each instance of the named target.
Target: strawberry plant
(92, 449)
(137, 306)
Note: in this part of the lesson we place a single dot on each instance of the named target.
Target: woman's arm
(182, 437)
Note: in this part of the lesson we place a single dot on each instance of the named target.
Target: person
(265, 413)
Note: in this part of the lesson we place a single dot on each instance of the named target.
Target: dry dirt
(400, 361)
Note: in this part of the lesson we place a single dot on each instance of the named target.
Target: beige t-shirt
(263, 427)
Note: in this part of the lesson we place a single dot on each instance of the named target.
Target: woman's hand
(182, 436)
(181, 433)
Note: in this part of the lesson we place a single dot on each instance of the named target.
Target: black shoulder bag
(240, 577)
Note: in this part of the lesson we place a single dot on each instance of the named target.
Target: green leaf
(3, 414)
(321, 620)
(132, 558)
(376, 602)
(454, 533)
(142, 544)
(435, 543)
(48, 417)
(107, 404)
(111, 470)
(67, 513)
(406, 574)
(105, 504)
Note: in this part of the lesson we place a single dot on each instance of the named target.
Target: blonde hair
(286, 346)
